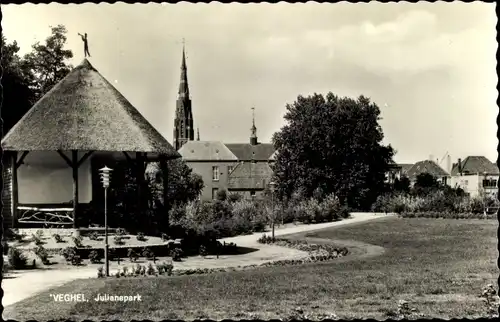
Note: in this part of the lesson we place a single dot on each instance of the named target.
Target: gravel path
(23, 284)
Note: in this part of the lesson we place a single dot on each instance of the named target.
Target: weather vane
(85, 44)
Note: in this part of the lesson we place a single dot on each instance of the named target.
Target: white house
(475, 175)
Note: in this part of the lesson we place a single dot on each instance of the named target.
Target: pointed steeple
(183, 123)
(183, 86)
(253, 135)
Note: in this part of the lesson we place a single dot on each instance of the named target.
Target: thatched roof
(85, 112)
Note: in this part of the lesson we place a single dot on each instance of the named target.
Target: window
(214, 193)
(215, 173)
(230, 169)
(489, 183)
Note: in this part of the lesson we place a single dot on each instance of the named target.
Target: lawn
(438, 265)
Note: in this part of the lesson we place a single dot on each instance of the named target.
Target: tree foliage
(26, 79)
(184, 184)
(17, 95)
(47, 64)
(402, 184)
(425, 183)
(333, 144)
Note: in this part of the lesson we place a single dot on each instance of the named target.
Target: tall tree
(333, 144)
(25, 80)
(47, 63)
(17, 95)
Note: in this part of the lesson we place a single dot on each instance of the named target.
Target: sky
(430, 67)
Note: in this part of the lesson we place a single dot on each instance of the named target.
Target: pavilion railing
(47, 216)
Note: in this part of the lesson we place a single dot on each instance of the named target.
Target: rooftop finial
(85, 44)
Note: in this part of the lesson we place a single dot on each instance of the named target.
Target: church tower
(253, 135)
(183, 123)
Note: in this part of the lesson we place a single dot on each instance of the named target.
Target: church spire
(183, 86)
(253, 135)
(183, 123)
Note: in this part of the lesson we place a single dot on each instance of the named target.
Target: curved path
(19, 285)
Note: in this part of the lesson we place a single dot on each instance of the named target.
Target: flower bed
(446, 215)
(317, 252)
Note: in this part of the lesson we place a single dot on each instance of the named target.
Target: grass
(439, 266)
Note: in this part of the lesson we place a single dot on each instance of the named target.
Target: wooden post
(74, 165)
(15, 193)
(166, 205)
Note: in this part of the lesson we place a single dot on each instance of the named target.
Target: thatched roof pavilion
(85, 113)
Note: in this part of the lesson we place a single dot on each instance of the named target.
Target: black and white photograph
(209, 161)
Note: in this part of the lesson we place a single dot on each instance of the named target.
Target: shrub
(36, 239)
(77, 241)
(120, 232)
(300, 212)
(132, 255)
(42, 253)
(247, 217)
(16, 258)
(165, 268)
(118, 240)
(39, 233)
(137, 270)
(76, 260)
(165, 237)
(221, 195)
(264, 239)
(100, 272)
(70, 255)
(124, 271)
(140, 237)
(12, 234)
(176, 254)
(58, 238)
(203, 251)
(95, 257)
(329, 208)
(150, 270)
(312, 211)
(344, 212)
(149, 254)
(234, 197)
(94, 236)
(288, 213)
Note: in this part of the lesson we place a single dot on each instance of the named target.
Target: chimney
(448, 164)
(460, 166)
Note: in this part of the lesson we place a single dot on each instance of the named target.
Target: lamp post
(485, 184)
(272, 187)
(105, 174)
